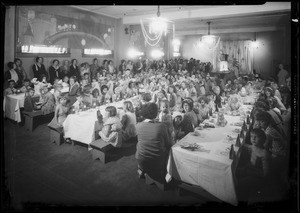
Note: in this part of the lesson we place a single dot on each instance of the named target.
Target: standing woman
(94, 68)
(73, 90)
(20, 70)
(54, 71)
(111, 68)
(65, 68)
(74, 70)
(153, 145)
(11, 73)
(122, 67)
(38, 68)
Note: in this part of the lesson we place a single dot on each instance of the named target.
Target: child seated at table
(165, 115)
(11, 88)
(97, 98)
(62, 110)
(177, 120)
(30, 101)
(112, 127)
(65, 84)
(47, 101)
(26, 86)
(254, 169)
(128, 121)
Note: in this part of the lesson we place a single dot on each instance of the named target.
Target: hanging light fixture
(157, 27)
(211, 41)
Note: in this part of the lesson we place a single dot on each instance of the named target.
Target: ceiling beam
(228, 30)
(216, 12)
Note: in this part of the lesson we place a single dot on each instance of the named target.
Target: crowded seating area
(192, 128)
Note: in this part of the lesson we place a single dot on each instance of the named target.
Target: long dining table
(209, 166)
(11, 106)
(81, 126)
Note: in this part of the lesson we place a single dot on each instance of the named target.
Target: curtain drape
(240, 51)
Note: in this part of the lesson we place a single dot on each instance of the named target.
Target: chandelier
(157, 27)
(210, 41)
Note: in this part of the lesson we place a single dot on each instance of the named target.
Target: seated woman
(153, 145)
(112, 127)
(11, 88)
(47, 101)
(30, 101)
(73, 90)
(128, 121)
(254, 166)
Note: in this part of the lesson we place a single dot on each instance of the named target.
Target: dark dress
(74, 71)
(55, 73)
(39, 71)
(152, 149)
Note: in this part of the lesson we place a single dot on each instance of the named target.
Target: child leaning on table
(255, 164)
(112, 127)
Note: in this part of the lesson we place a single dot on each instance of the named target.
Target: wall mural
(39, 28)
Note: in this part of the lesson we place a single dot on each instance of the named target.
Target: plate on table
(237, 124)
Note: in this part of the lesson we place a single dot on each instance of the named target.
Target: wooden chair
(100, 149)
(56, 135)
(29, 119)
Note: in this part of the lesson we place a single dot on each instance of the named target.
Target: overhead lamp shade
(28, 31)
(210, 40)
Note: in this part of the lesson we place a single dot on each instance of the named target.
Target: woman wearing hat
(153, 145)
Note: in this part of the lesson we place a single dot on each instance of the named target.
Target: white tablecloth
(12, 105)
(210, 166)
(81, 126)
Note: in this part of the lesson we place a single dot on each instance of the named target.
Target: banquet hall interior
(157, 105)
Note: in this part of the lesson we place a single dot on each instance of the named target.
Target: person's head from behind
(11, 83)
(257, 137)
(31, 92)
(149, 111)
(128, 106)
(164, 106)
(110, 111)
(104, 89)
(146, 97)
(177, 119)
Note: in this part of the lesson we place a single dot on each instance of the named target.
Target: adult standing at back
(11, 74)
(74, 69)
(54, 71)
(38, 68)
(282, 75)
(20, 70)
(94, 68)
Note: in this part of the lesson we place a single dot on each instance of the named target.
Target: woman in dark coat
(38, 68)
(54, 71)
(74, 70)
(153, 145)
